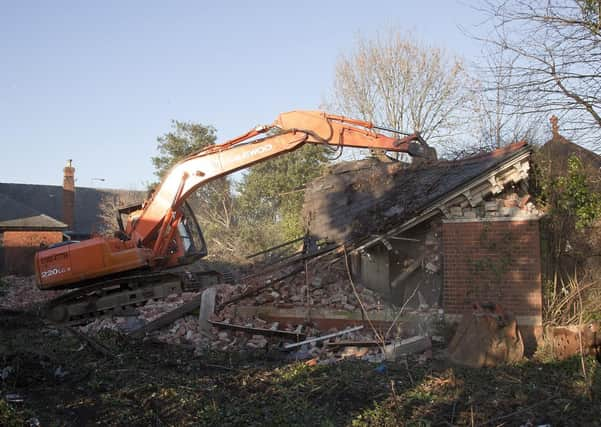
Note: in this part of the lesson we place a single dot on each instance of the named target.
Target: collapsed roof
(370, 197)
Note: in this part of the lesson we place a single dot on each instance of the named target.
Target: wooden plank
(280, 265)
(416, 344)
(168, 317)
(281, 245)
(255, 290)
(406, 273)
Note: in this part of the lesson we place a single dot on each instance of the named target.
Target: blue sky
(97, 82)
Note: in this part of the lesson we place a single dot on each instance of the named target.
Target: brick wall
(496, 261)
(19, 248)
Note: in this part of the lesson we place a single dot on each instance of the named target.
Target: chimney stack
(554, 125)
(69, 195)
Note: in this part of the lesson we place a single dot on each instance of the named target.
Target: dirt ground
(52, 378)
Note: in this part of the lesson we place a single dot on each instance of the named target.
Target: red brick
(473, 265)
(19, 248)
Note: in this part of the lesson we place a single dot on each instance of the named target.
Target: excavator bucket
(488, 336)
(421, 150)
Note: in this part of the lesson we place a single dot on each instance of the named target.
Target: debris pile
(21, 293)
(355, 321)
(142, 315)
(319, 286)
(234, 324)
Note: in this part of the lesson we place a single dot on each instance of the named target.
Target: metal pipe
(392, 130)
(323, 337)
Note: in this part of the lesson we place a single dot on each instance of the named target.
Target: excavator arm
(152, 237)
(289, 132)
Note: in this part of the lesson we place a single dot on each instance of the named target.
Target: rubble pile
(188, 331)
(325, 285)
(322, 284)
(143, 314)
(21, 293)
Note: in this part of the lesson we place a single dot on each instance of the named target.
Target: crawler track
(118, 296)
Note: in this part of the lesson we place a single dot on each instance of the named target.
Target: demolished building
(444, 234)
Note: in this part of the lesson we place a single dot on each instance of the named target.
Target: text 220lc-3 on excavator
(141, 262)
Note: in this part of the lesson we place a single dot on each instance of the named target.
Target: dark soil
(66, 381)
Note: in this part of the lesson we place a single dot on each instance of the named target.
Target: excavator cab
(187, 244)
(190, 239)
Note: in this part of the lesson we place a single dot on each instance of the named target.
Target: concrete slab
(417, 344)
(207, 308)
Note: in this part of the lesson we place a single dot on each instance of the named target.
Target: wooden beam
(168, 317)
(405, 274)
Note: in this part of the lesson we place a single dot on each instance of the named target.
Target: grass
(148, 383)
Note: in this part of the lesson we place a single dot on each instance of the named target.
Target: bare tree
(555, 46)
(498, 117)
(213, 205)
(399, 82)
(110, 203)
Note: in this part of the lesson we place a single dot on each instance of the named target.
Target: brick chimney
(69, 195)
(554, 125)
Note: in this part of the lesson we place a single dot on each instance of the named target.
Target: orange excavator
(144, 259)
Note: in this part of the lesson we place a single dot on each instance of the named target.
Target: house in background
(31, 215)
(567, 253)
(558, 149)
(22, 231)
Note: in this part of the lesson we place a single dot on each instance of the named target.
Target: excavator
(147, 257)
